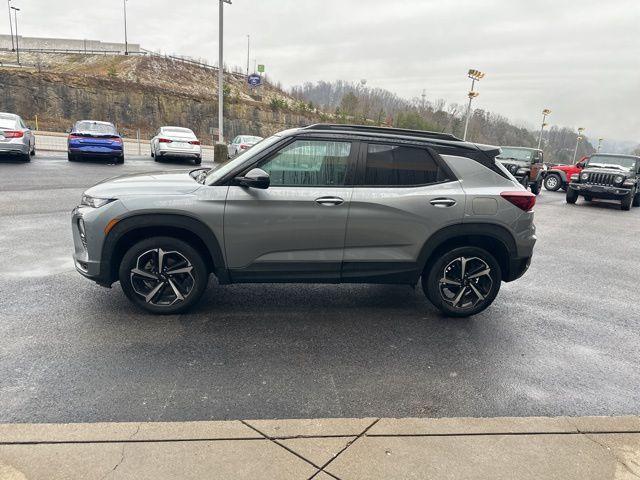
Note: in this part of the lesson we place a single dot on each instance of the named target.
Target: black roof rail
(386, 130)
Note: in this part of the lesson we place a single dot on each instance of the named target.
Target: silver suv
(320, 204)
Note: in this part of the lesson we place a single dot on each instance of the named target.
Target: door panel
(295, 229)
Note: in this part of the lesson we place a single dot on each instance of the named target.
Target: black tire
(144, 255)
(198, 161)
(587, 198)
(120, 160)
(25, 157)
(627, 201)
(636, 200)
(536, 188)
(71, 157)
(33, 151)
(153, 155)
(553, 182)
(444, 299)
(572, 196)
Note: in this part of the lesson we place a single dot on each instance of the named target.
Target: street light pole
(221, 71)
(15, 17)
(475, 76)
(248, 52)
(600, 140)
(126, 42)
(13, 46)
(545, 113)
(575, 153)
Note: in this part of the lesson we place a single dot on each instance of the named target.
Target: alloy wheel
(465, 282)
(552, 182)
(162, 278)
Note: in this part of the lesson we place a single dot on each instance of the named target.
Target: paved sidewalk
(502, 448)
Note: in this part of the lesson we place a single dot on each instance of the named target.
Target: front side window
(309, 163)
(392, 165)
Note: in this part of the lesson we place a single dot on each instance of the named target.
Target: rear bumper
(165, 151)
(96, 150)
(517, 268)
(605, 192)
(14, 148)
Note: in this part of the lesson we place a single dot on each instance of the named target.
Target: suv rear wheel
(163, 275)
(463, 281)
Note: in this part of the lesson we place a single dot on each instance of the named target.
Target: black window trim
(362, 164)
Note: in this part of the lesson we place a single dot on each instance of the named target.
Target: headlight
(574, 177)
(584, 176)
(522, 171)
(94, 202)
(618, 179)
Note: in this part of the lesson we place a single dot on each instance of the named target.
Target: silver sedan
(242, 143)
(16, 138)
(176, 142)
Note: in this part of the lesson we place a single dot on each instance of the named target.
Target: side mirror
(255, 178)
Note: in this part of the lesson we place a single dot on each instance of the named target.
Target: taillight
(521, 199)
(116, 139)
(165, 140)
(13, 134)
(195, 142)
(74, 137)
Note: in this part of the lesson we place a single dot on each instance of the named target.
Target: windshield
(219, 172)
(521, 154)
(7, 122)
(95, 128)
(177, 130)
(606, 161)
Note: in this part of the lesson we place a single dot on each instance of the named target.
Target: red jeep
(559, 176)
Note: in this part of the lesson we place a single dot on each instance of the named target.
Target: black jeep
(526, 164)
(610, 177)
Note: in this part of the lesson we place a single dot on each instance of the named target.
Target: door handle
(329, 201)
(443, 202)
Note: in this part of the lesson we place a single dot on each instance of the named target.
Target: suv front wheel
(463, 281)
(163, 275)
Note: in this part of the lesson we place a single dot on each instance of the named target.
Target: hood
(172, 182)
(616, 171)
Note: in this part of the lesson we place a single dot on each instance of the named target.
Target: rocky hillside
(142, 92)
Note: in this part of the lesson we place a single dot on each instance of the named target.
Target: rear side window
(398, 166)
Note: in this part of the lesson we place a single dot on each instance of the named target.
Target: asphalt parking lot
(561, 341)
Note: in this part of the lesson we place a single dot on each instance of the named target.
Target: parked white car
(242, 143)
(177, 142)
(16, 138)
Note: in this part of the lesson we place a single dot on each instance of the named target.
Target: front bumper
(600, 191)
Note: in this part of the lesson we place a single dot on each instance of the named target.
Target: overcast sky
(580, 58)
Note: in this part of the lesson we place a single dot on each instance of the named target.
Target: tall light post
(545, 113)
(15, 17)
(475, 76)
(575, 152)
(126, 42)
(221, 71)
(13, 46)
(248, 52)
(600, 140)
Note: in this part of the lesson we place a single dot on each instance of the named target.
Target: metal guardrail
(80, 51)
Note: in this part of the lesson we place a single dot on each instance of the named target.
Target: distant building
(28, 43)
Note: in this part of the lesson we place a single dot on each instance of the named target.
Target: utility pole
(126, 43)
(248, 52)
(545, 113)
(475, 76)
(13, 46)
(575, 153)
(15, 17)
(221, 71)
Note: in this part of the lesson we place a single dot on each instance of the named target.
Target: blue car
(90, 138)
